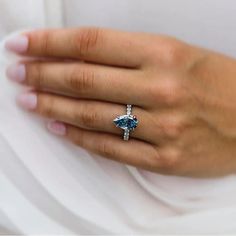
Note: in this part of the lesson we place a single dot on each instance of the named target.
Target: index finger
(98, 45)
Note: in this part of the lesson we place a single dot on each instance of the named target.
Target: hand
(183, 96)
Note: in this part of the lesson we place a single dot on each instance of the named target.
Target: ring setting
(126, 122)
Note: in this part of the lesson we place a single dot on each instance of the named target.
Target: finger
(91, 115)
(103, 46)
(82, 80)
(158, 129)
(134, 152)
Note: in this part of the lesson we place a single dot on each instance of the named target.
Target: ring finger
(91, 115)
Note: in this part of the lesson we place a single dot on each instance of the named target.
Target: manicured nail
(18, 44)
(27, 101)
(57, 128)
(16, 72)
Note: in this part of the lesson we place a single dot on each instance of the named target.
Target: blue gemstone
(126, 122)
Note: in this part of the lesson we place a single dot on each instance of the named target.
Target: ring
(126, 122)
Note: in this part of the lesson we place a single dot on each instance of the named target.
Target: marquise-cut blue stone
(126, 122)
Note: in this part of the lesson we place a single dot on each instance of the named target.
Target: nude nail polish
(27, 101)
(17, 44)
(16, 73)
(57, 128)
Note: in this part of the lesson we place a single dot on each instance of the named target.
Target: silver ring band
(126, 131)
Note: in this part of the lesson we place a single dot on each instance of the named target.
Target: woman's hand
(184, 97)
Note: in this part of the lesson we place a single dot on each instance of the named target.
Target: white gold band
(127, 131)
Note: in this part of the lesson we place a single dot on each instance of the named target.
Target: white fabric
(49, 186)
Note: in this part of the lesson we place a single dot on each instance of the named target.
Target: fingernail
(57, 128)
(18, 44)
(16, 72)
(27, 101)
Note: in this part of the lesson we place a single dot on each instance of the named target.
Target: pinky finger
(134, 152)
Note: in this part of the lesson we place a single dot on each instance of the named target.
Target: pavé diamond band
(126, 122)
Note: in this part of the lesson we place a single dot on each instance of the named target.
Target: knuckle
(45, 46)
(170, 160)
(171, 127)
(87, 39)
(106, 149)
(82, 139)
(46, 106)
(35, 75)
(167, 91)
(78, 138)
(174, 53)
(89, 118)
(81, 80)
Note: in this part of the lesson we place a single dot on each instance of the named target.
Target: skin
(183, 96)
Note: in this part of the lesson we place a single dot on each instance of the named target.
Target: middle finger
(83, 80)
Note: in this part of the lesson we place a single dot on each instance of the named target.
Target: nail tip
(27, 101)
(18, 44)
(56, 128)
(16, 73)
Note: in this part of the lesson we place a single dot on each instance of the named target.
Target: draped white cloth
(48, 185)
